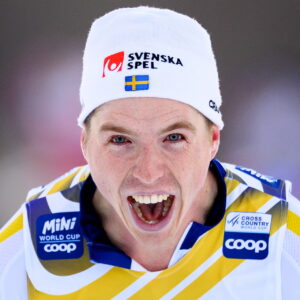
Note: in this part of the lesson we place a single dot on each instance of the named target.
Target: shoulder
(63, 182)
(280, 189)
(60, 196)
(14, 234)
(12, 227)
(267, 184)
(11, 240)
(68, 180)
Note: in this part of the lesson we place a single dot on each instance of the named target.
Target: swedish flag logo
(136, 83)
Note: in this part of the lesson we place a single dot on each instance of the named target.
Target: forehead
(143, 111)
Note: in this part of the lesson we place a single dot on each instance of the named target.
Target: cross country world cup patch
(246, 235)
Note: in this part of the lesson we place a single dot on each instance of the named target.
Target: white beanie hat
(149, 52)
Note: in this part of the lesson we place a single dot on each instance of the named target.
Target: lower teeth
(167, 204)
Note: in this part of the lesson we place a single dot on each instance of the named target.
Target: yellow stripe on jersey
(209, 244)
(293, 222)
(110, 284)
(63, 183)
(83, 177)
(12, 228)
(223, 266)
(231, 184)
(35, 196)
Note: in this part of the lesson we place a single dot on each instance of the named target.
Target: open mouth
(151, 209)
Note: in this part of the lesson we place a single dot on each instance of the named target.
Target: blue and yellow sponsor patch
(136, 83)
(58, 236)
(246, 235)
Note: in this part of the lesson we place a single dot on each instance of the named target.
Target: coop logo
(58, 236)
(113, 63)
(240, 244)
(63, 247)
(245, 245)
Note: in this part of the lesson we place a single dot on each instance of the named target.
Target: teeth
(167, 204)
(147, 199)
(151, 198)
(151, 222)
(139, 213)
(155, 199)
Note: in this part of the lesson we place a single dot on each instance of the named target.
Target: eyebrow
(119, 129)
(178, 125)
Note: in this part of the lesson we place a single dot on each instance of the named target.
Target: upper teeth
(150, 198)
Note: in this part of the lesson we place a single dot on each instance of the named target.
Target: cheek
(108, 171)
(192, 168)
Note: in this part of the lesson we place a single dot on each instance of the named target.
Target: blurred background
(257, 47)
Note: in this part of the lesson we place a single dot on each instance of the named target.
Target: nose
(149, 167)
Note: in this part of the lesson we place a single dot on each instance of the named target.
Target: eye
(119, 140)
(175, 137)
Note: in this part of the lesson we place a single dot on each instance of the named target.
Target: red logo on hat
(113, 63)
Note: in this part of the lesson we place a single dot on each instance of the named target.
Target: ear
(83, 142)
(215, 138)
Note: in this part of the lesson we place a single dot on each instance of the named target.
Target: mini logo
(58, 236)
(59, 224)
(246, 235)
(136, 83)
(113, 63)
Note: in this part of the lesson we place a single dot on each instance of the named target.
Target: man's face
(149, 158)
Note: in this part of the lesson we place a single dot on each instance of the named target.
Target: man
(153, 215)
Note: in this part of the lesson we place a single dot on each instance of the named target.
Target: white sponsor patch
(248, 222)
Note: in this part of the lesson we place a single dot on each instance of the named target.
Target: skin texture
(142, 146)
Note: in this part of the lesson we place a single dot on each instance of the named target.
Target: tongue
(151, 212)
